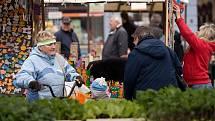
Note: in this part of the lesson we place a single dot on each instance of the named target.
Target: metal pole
(213, 9)
(43, 14)
(166, 23)
(88, 26)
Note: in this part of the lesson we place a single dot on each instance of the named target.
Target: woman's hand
(79, 81)
(34, 85)
(177, 11)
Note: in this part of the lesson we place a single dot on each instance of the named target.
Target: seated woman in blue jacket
(44, 66)
(149, 65)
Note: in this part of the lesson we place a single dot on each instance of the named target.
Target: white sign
(94, 1)
(55, 15)
(138, 6)
(96, 7)
(57, 1)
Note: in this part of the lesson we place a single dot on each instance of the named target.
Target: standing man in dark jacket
(116, 45)
(149, 65)
(66, 36)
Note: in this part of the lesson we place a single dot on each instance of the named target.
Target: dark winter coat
(149, 66)
(66, 38)
(178, 48)
(130, 27)
(116, 44)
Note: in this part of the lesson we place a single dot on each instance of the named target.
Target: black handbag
(180, 80)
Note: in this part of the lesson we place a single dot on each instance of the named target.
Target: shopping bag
(83, 89)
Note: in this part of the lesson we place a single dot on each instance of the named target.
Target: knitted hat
(99, 84)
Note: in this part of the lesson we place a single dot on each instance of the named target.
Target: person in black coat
(149, 65)
(130, 27)
(178, 47)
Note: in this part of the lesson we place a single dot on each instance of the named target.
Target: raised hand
(177, 11)
(79, 81)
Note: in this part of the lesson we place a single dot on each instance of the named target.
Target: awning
(95, 1)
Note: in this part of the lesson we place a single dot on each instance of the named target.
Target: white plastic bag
(68, 86)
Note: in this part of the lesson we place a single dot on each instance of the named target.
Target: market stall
(21, 20)
(108, 68)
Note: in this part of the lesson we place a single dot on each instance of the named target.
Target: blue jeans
(202, 86)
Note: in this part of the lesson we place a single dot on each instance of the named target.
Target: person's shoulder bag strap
(180, 81)
(61, 64)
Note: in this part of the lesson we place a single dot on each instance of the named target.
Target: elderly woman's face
(49, 49)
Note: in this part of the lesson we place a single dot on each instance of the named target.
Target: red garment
(196, 59)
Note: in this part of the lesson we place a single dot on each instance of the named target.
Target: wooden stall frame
(166, 13)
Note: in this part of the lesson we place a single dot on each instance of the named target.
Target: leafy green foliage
(113, 108)
(17, 109)
(66, 109)
(168, 104)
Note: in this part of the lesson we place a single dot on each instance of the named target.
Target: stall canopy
(95, 1)
(118, 5)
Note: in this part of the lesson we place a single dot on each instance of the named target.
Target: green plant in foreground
(168, 104)
(17, 109)
(115, 108)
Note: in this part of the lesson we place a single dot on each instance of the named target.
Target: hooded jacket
(46, 70)
(149, 66)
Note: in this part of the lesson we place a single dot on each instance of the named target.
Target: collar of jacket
(118, 26)
(113, 31)
(71, 30)
(145, 38)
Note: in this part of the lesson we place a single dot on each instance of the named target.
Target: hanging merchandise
(15, 44)
(170, 24)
